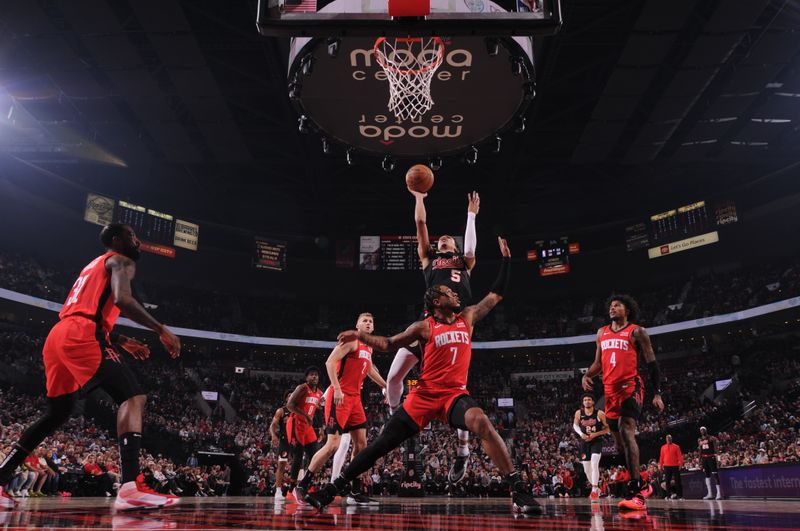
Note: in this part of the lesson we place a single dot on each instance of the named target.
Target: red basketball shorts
(423, 406)
(345, 417)
(72, 354)
(625, 399)
(300, 432)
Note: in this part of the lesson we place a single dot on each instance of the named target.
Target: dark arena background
(644, 147)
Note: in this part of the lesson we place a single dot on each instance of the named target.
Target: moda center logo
(455, 68)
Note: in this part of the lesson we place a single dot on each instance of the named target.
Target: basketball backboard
(350, 18)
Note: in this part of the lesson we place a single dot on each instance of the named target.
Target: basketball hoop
(410, 64)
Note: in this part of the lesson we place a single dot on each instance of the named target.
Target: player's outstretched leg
(399, 428)
(477, 422)
(58, 411)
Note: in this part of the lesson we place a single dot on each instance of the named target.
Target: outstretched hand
(136, 349)
(347, 336)
(418, 195)
(170, 342)
(474, 202)
(504, 250)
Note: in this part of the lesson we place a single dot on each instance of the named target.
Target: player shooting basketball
(443, 266)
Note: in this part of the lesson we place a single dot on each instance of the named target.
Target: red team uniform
(351, 371)
(76, 345)
(298, 428)
(624, 388)
(443, 376)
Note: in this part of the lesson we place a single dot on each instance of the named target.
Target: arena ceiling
(182, 105)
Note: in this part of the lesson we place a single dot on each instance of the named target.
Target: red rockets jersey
(447, 354)
(308, 403)
(353, 368)
(620, 358)
(91, 295)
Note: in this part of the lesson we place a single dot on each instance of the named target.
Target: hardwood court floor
(406, 514)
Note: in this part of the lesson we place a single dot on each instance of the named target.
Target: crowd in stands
(82, 457)
(711, 293)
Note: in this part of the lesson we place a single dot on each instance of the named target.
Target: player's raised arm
(421, 221)
(339, 351)
(470, 236)
(122, 270)
(596, 366)
(642, 339)
(473, 314)
(418, 331)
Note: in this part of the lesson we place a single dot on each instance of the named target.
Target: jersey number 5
(455, 275)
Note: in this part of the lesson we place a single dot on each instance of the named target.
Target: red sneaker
(635, 503)
(137, 495)
(6, 501)
(594, 496)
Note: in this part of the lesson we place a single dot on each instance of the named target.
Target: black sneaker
(360, 499)
(457, 470)
(524, 503)
(322, 497)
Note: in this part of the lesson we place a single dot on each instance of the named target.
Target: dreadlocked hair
(629, 303)
(432, 293)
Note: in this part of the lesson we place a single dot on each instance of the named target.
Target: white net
(410, 64)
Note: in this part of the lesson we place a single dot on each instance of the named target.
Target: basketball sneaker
(594, 496)
(6, 501)
(457, 470)
(323, 496)
(637, 492)
(279, 497)
(300, 495)
(522, 502)
(137, 495)
(361, 499)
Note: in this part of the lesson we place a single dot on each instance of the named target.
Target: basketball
(419, 178)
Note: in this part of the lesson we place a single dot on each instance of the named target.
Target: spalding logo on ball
(419, 178)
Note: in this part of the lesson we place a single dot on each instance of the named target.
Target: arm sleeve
(577, 430)
(470, 238)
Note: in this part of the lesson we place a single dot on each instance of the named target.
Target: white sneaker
(279, 497)
(137, 495)
(708, 496)
(719, 494)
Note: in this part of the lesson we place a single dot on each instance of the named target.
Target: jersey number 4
(613, 360)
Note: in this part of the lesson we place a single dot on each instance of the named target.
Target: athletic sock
(355, 486)
(129, 445)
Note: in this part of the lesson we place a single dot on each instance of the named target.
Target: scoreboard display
(150, 225)
(269, 254)
(676, 224)
(553, 256)
(393, 253)
(681, 228)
